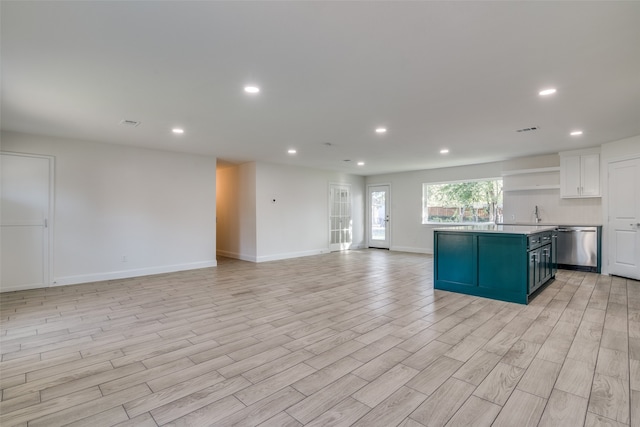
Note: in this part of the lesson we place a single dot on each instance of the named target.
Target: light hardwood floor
(355, 338)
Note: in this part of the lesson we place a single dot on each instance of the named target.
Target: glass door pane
(340, 225)
(379, 216)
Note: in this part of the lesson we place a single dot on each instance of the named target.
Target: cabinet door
(554, 253)
(545, 263)
(534, 271)
(570, 176)
(590, 175)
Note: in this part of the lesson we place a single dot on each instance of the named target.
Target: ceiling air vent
(130, 123)
(532, 128)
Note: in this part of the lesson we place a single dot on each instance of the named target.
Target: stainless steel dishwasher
(578, 248)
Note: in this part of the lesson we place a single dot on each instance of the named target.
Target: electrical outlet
(513, 216)
(124, 258)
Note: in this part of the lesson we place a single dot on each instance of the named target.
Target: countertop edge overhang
(556, 224)
(499, 229)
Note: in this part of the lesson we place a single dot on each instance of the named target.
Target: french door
(378, 217)
(340, 221)
(25, 233)
(624, 218)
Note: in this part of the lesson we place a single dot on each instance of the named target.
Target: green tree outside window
(462, 202)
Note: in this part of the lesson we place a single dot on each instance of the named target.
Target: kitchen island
(504, 262)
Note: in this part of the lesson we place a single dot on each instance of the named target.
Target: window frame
(445, 224)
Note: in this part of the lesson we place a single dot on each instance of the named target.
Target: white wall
(519, 206)
(297, 224)
(157, 208)
(407, 232)
(236, 211)
(410, 235)
(551, 208)
(611, 152)
(254, 228)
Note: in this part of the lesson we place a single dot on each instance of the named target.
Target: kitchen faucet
(537, 215)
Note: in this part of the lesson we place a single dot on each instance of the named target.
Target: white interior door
(378, 235)
(340, 221)
(624, 218)
(25, 194)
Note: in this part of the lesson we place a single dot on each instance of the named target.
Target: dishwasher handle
(569, 230)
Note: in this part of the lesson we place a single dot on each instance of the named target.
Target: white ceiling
(460, 75)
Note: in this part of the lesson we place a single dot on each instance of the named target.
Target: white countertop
(557, 224)
(505, 229)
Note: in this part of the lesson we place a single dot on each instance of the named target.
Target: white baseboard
(410, 249)
(281, 256)
(21, 287)
(125, 274)
(289, 255)
(236, 255)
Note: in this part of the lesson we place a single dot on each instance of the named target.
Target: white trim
(532, 187)
(499, 178)
(585, 151)
(329, 203)
(289, 255)
(367, 219)
(531, 171)
(126, 274)
(412, 250)
(458, 181)
(29, 287)
(236, 255)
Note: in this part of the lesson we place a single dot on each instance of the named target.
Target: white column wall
(297, 223)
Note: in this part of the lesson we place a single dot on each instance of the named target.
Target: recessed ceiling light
(576, 133)
(292, 151)
(546, 92)
(360, 163)
(444, 151)
(251, 89)
(177, 130)
(381, 130)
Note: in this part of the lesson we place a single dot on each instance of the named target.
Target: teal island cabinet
(504, 262)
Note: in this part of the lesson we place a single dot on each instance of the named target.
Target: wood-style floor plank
(352, 338)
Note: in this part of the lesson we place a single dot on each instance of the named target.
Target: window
(462, 202)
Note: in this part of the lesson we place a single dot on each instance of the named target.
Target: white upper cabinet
(580, 174)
